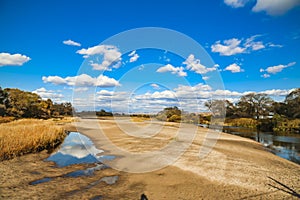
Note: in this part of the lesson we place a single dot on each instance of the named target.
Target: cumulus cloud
(57, 80)
(155, 86)
(234, 68)
(271, 7)
(81, 89)
(228, 48)
(275, 7)
(82, 80)
(265, 75)
(186, 97)
(278, 68)
(71, 43)
(174, 70)
(253, 45)
(133, 56)
(195, 65)
(48, 94)
(236, 3)
(7, 59)
(111, 56)
(237, 46)
(275, 69)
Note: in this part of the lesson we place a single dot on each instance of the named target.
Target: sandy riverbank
(236, 168)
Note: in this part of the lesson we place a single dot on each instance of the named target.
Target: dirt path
(236, 168)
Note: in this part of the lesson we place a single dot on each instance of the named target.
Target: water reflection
(86, 172)
(283, 145)
(77, 149)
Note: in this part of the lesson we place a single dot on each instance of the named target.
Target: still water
(79, 149)
(284, 145)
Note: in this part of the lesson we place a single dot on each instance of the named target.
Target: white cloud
(111, 55)
(237, 46)
(271, 7)
(7, 59)
(186, 97)
(265, 75)
(275, 7)
(234, 68)
(71, 43)
(57, 80)
(132, 53)
(277, 92)
(270, 44)
(174, 70)
(275, 69)
(278, 68)
(81, 89)
(134, 58)
(205, 78)
(194, 64)
(155, 86)
(236, 3)
(82, 80)
(228, 48)
(48, 94)
(166, 94)
(253, 45)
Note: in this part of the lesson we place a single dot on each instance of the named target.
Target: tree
(169, 114)
(217, 107)
(19, 104)
(3, 102)
(292, 101)
(255, 105)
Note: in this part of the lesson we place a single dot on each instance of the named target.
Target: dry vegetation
(28, 136)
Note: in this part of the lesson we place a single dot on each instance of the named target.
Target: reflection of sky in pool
(77, 149)
(285, 146)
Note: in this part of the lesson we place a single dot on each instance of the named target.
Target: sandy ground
(236, 168)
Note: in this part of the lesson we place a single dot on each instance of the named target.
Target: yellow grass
(6, 119)
(139, 119)
(27, 136)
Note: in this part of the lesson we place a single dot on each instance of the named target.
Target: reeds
(28, 136)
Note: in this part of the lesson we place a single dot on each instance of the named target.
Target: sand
(235, 168)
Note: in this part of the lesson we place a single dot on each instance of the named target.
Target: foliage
(257, 110)
(103, 113)
(242, 122)
(217, 107)
(292, 102)
(172, 114)
(21, 104)
(255, 105)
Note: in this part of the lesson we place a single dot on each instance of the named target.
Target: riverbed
(236, 168)
(285, 145)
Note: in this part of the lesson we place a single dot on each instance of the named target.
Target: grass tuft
(28, 136)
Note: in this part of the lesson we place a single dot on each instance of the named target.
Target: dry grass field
(27, 136)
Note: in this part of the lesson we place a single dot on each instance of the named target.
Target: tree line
(253, 110)
(258, 106)
(22, 104)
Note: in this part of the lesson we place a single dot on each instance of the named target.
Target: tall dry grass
(28, 136)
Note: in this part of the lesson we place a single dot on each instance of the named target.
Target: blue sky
(55, 48)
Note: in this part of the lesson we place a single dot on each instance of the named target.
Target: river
(286, 146)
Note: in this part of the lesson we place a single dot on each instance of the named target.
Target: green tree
(292, 101)
(255, 105)
(3, 102)
(167, 113)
